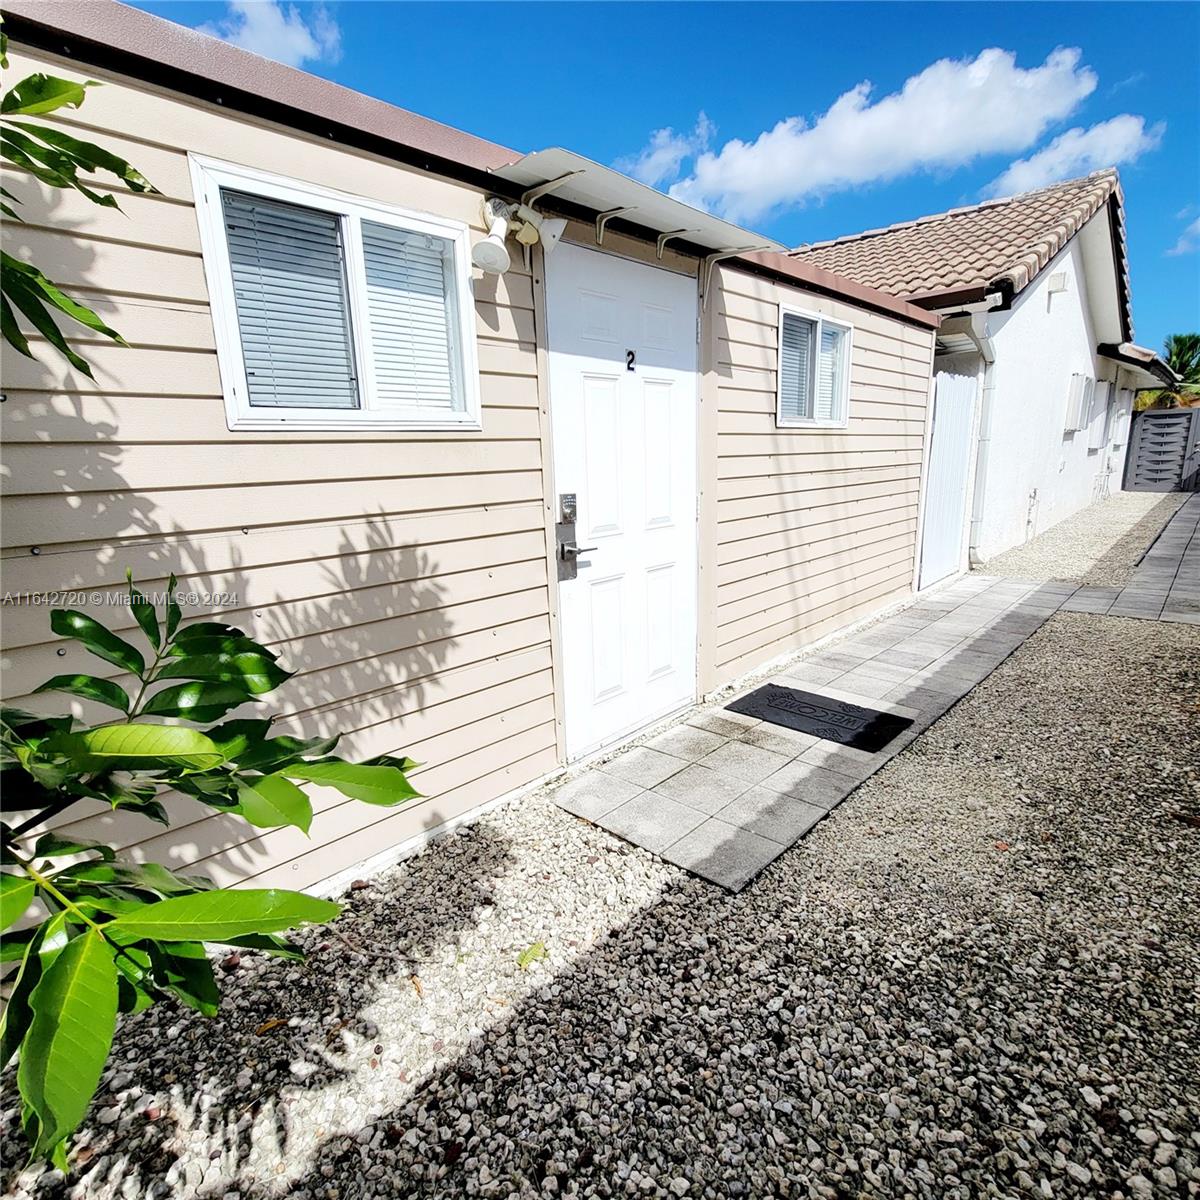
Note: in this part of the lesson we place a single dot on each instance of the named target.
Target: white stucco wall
(1037, 473)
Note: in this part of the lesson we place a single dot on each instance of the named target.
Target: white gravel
(1099, 545)
(977, 978)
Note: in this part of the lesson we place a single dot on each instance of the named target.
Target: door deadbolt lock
(564, 535)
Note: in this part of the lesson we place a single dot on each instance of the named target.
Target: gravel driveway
(1099, 545)
(978, 978)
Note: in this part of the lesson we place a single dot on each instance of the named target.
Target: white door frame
(554, 490)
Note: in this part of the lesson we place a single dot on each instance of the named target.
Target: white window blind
(829, 374)
(293, 312)
(796, 368)
(813, 355)
(412, 302)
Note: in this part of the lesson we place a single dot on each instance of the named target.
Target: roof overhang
(579, 181)
(1148, 369)
(128, 41)
(106, 35)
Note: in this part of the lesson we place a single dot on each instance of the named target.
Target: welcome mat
(822, 716)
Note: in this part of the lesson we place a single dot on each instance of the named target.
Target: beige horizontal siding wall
(402, 576)
(815, 529)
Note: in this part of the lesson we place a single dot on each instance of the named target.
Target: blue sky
(803, 121)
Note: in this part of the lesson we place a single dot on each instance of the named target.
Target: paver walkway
(723, 795)
(1166, 583)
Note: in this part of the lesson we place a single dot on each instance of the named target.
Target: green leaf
(196, 701)
(174, 612)
(531, 954)
(16, 895)
(236, 737)
(53, 166)
(219, 643)
(149, 877)
(14, 944)
(219, 915)
(74, 1015)
(274, 754)
(90, 157)
(8, 320)
(372, 785)
(31, 292)
(42, 93)
(89, 687)
(100, 641)
(34, 725)
(400, 761)
(51, 845)
(25, 275)
(14, 1023)
(204, 629)
(270, 800)
(254, 673)
(269, 943)
(133, 994)
(137, 747)
(143, 612)
(184, 969)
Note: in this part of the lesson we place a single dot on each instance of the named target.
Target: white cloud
(266, 27)
(946, 116)
(1122, 139)
(661, 159)
(1189, 240)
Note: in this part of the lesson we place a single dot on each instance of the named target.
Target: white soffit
(1102, 277)
(602, 190)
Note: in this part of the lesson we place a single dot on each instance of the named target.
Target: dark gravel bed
(977, 978)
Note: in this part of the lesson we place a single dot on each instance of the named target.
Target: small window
(1100, 416)
(814, 357)
(334, 312)
(1079, 403)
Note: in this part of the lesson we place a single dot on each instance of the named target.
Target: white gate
(949, 471)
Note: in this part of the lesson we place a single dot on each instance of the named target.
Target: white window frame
(209, 176)
(820, 320)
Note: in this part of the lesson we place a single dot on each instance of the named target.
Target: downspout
(981, 336)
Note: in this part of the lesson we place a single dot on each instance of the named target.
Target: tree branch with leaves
(110, 935)
(59, 160)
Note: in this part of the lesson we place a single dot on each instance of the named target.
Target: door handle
(569, 548)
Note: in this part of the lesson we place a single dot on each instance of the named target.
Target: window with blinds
(333, 312)
(293, 307)
(410, 296)
(796, 369)
(813, 375)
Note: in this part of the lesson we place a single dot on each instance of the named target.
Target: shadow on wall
(353, 606)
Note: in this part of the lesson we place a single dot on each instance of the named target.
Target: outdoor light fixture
(526, 224)
(491, 255)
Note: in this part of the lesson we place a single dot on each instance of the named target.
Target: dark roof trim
(128, 41)
(783, 268)
(1116, 225)
(1139, 356)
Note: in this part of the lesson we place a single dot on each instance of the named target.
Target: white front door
(623, 396)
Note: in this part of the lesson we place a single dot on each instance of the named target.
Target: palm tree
(1182, 354)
